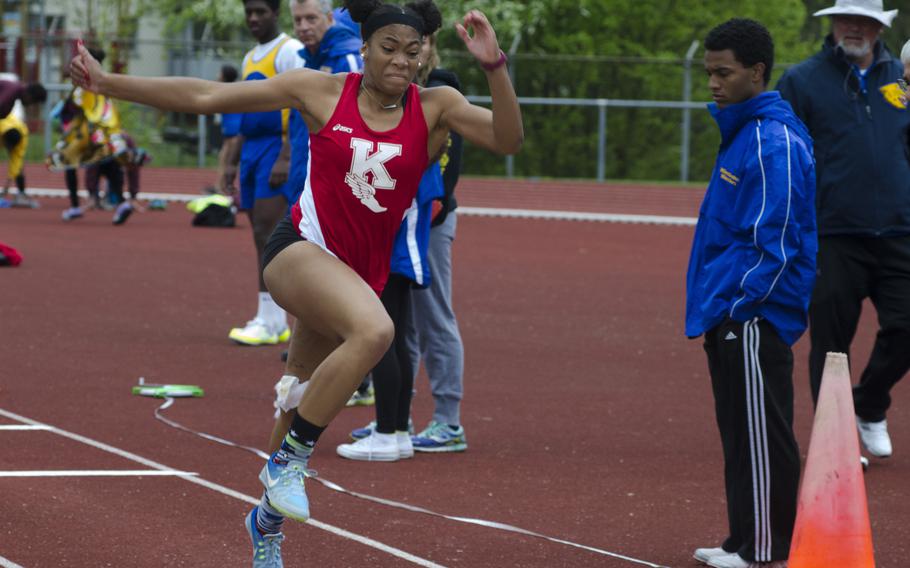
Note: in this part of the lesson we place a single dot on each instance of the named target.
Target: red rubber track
(588, 413)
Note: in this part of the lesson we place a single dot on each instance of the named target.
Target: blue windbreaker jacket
(409, 253)
(339, 51)
(755, 243)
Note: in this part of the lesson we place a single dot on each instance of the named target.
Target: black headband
(377, 21)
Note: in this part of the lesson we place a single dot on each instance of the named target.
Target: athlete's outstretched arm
(191, 95)
(499, 130)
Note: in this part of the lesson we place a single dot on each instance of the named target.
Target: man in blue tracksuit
(749, 283)
(848, 96)
(329, 45)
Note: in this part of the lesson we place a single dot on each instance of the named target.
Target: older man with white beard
(848, 96)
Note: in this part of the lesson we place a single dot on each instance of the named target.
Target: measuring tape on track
(169, 401)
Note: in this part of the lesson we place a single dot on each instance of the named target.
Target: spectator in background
(14, 134)
(847, 94)
(389, 437)
(265, 192)
(92, 138)
(12, 91)
(432, 333)
(747, 291)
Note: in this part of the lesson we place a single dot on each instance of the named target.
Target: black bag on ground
(215, 216)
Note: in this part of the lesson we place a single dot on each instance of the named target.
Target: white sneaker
(703, 555)
(375, 447)
(734, 560)
(405, 447)
(875, 437)
(728, 560)
(255, 332)
(72, 213)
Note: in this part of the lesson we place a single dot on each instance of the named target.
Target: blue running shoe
(282, 476)
(361, 433)
(440, 438)
(266, 548)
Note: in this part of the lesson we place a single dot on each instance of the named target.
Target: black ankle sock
(303, 433)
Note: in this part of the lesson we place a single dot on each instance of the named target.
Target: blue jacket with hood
(339, 52)
(755, 243)
(859, 126)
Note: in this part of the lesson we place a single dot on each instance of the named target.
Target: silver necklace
(384, 107)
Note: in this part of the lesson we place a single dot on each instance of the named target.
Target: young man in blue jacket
(848, 96)
(748, 287)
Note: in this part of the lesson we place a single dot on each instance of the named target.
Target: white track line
(17, 427)
(475, 211)
(94, 473)
(6, 563)
(221, 489)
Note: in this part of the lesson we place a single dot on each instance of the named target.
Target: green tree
(641, 143)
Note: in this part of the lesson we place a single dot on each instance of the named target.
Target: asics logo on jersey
(367, 161)
(344, 129)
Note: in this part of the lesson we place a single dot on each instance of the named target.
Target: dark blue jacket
(755, 243)
(339, 52)
(860, 131)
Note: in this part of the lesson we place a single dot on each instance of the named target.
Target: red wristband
(497, 64)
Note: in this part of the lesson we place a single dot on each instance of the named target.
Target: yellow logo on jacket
(894, 95)
(728, 177)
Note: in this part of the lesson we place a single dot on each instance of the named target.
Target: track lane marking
(7, 563)
(220, 489)
(94, 473)
(463, 210)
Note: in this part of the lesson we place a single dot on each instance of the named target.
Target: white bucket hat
(868, 8)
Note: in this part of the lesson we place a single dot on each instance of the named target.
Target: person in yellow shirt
(14, 134)
(93, 138)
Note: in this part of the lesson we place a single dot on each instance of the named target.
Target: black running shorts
(282, 237)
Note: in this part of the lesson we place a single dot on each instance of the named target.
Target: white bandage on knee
(288, 393)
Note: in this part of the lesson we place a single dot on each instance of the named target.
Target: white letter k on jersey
(363, 161)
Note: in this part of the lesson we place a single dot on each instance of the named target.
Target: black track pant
(393, 378)
(113, 171)
(851, 269)
(752, 378)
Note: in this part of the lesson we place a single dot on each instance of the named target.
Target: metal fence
(47, 57)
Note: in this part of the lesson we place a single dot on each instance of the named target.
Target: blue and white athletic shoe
(282, 476)
(266, 548)
(361, 433)
(440, 437)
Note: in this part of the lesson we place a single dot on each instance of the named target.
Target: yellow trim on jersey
(266, 66)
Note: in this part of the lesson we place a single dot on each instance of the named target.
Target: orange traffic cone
(832, 518)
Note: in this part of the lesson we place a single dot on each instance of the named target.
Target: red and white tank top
(360, 182)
